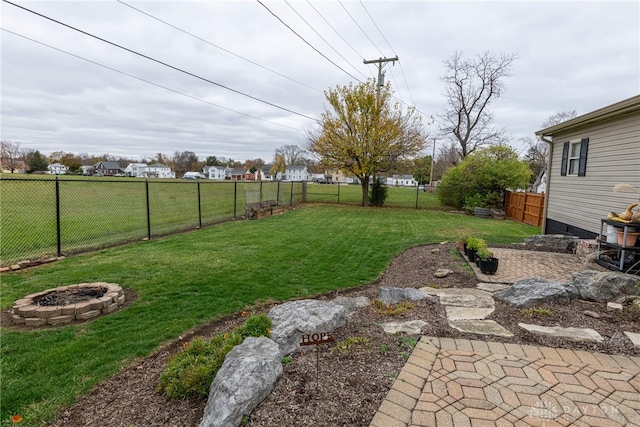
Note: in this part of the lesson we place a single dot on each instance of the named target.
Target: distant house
(107, 169)
(588, 156)
(56, 169)
(264, 173)
(237, 174)
(214, 172)
(402, 181)
(88, 170)
(138, 170)
(296, 173)
(158, 170)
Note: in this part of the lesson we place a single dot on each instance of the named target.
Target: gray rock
(247, 376)
(533, 291)
(289, 321)
(480, 327)
(554, 242)
(442, 272)
(634, 337)
(605, 286)
(396, 295)
(352, 304)
(412, 327)
(591, 314)
(571, 334)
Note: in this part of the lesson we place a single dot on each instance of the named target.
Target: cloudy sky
(242, 78)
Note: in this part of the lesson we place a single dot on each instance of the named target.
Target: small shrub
(378, 193)
(391, 309)
(347, 344)
(536, 311)
(286, 359)
(191, 372)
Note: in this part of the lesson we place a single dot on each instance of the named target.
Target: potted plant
(486, 261)
(473, 244)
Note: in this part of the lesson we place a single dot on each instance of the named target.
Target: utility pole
(380, 63)
(433, 156)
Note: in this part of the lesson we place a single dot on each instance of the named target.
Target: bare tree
(293, 155)
(472, 84)
(9, 155)
(538, 150)
(447, 157)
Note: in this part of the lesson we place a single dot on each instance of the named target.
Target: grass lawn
(188, 279)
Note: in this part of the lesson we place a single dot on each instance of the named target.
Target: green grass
(188, 279)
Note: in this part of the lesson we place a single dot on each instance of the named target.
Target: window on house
(574, 158)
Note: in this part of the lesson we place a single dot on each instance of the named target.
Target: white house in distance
(214, 172)
(158, 170)
(296, 173)
(401, 181)
(138, 170)
(56, 169)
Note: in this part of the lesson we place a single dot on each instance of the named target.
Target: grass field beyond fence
(186, 280)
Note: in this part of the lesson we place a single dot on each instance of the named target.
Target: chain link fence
(49, 217)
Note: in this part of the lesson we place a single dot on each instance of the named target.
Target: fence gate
(525, 207)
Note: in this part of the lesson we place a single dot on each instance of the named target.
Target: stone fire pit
(63, 305)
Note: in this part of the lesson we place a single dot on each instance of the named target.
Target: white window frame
(573, 160)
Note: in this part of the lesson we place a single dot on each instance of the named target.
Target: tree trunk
(364, 183)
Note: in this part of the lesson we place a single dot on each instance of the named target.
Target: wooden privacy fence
(525, 207)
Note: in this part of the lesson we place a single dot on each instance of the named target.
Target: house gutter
(546, 197)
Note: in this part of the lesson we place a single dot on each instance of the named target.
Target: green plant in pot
(473, 244)
(486, 261)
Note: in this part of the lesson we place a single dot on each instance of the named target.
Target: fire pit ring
(65, 304)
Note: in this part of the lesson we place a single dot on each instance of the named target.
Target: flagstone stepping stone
(635, 338)
(467, 313)
(396, 295)
(571, 334)
(412, 327)
(480, 327)
(491, 287)
(476, 299)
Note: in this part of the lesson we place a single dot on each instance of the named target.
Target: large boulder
(247, 376)
(605, 286)
(396, 295)
(291, 320)
(534, 291)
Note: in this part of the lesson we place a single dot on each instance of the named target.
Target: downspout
(546, 196)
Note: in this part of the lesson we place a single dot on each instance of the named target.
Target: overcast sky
(256, 86)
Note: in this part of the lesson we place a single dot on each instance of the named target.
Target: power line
(162, 63)
(358, 25)
(143, 80)
(306, 42)
(216, 46)
(323, 39)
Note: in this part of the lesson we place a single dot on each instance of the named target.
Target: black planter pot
(488, 266)
(471, 254)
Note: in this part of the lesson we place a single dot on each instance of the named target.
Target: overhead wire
(361, 29)
(216, 46)
(305, 41)
(142, 79)
(323, 39)
(163, 63)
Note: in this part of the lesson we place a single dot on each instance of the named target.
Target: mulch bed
(341, 385)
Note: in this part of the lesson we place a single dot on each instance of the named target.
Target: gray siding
(613, 157)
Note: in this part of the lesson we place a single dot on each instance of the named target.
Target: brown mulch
(340, 385)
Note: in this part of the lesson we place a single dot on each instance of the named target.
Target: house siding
(580, 202)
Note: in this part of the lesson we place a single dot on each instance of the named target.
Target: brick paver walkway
(515, 264)
(448, 382)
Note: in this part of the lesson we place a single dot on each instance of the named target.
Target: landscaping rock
(396, 295)
(473, 298)
(491, 287)
(591, 314)
(481, 327)
(295, 318)
(534, 291)
(442, 272)
(605, 286)
(247, 376)
(412, 327)
(352, 304)
(634, 337)
(571, 334)
(467, 313)
(552, 242)
(614, 306)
